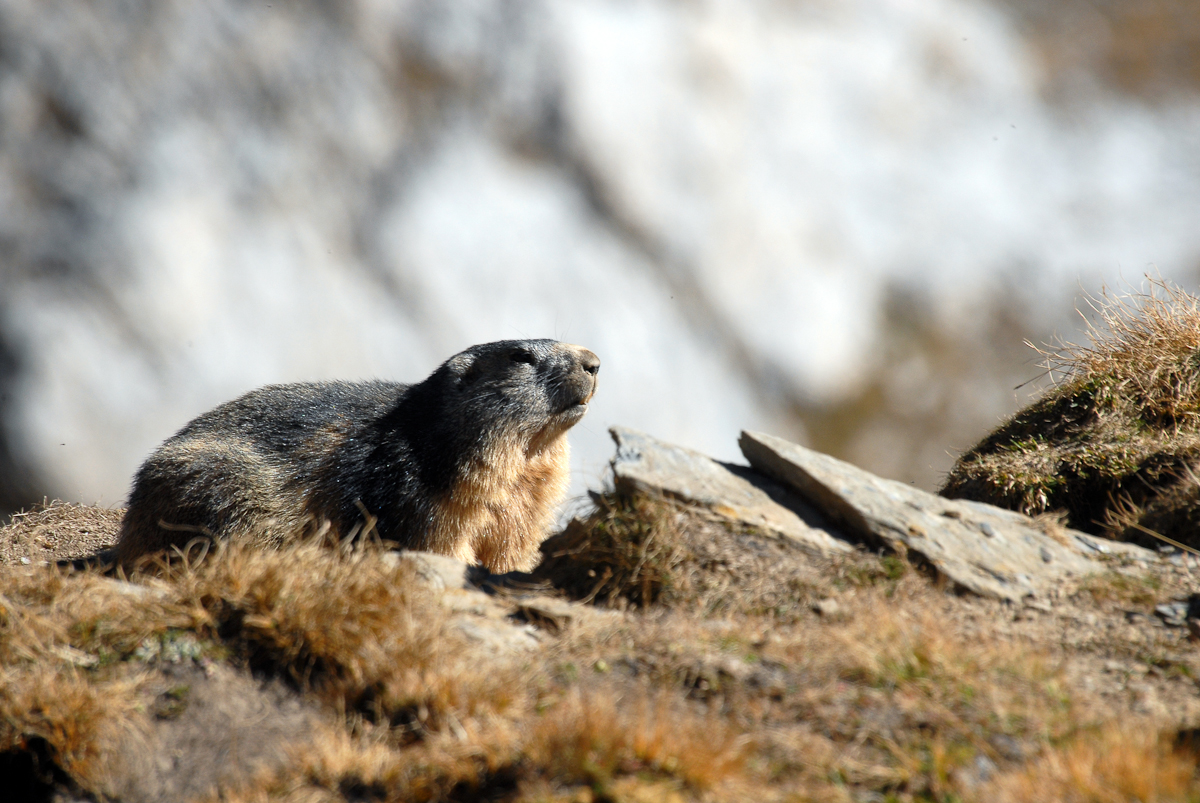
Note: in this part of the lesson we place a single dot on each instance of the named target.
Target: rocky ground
(705, 633)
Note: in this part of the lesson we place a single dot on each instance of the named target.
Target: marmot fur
(469, 463)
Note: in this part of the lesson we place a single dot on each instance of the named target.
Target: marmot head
(535, 389)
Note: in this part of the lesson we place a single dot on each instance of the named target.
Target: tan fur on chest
(500, 511)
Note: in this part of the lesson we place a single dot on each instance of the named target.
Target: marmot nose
(589, 362)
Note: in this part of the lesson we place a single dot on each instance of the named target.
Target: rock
(440, 572)
(1008, 747)
(1146, 700)
(976, 773)
(497, 637)
(484, 619)
(1173, 614)
(555, 615)
(827, 608)
(646, 465)
(985, 549)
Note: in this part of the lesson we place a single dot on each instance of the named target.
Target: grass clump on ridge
(353, 628)
(615, 745)
(352, 625)
(628, 548)
(1116, 764)
(639, 549)
(1115, 443)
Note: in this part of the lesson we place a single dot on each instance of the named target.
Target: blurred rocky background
(835, 220)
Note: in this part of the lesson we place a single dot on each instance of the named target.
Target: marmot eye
(522, 356)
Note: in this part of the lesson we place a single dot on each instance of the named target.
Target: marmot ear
(462, 368)
(523, 355)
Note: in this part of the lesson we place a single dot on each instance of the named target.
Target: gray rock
(484, 619)
(645, 465)
(985, 549)
(441, 572)
(1173, 614)
(555, 615)
(828, 608)
(977, 772)
(498, 637)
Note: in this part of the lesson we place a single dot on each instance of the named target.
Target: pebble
(1173, 614)
(827, 608)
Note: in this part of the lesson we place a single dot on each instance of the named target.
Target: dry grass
(1131, 589)
(597, 740)
(49, 520)
(928, 700)
(352, 625)
(356, 628)
(593, 736)
(1120, 763)
(1114, 442)
(359, 631)
(60, 683)
(640, 550)
(81, 719)
(332, 764)
(54, 530)
(627, 548)
(885, 700)
(1144, 356)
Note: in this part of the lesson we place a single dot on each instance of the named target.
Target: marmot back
(469, 463)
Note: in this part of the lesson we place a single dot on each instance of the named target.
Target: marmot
(469, 463)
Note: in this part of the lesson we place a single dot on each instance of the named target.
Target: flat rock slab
(985, 549)
(646, 465)
(509, 623)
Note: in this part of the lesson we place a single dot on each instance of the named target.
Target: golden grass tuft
(332, 764)
(1122, 587)
(641, 549)
(81, 719)
(62, 683)
(356, 625)
(1118, 764)
(928, 701)
(627, 548)
(600, 740)
(594, 736)
(1114, 443)
(1144, 353)
(52, 522)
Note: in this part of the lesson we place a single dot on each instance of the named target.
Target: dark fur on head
(470, 462)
